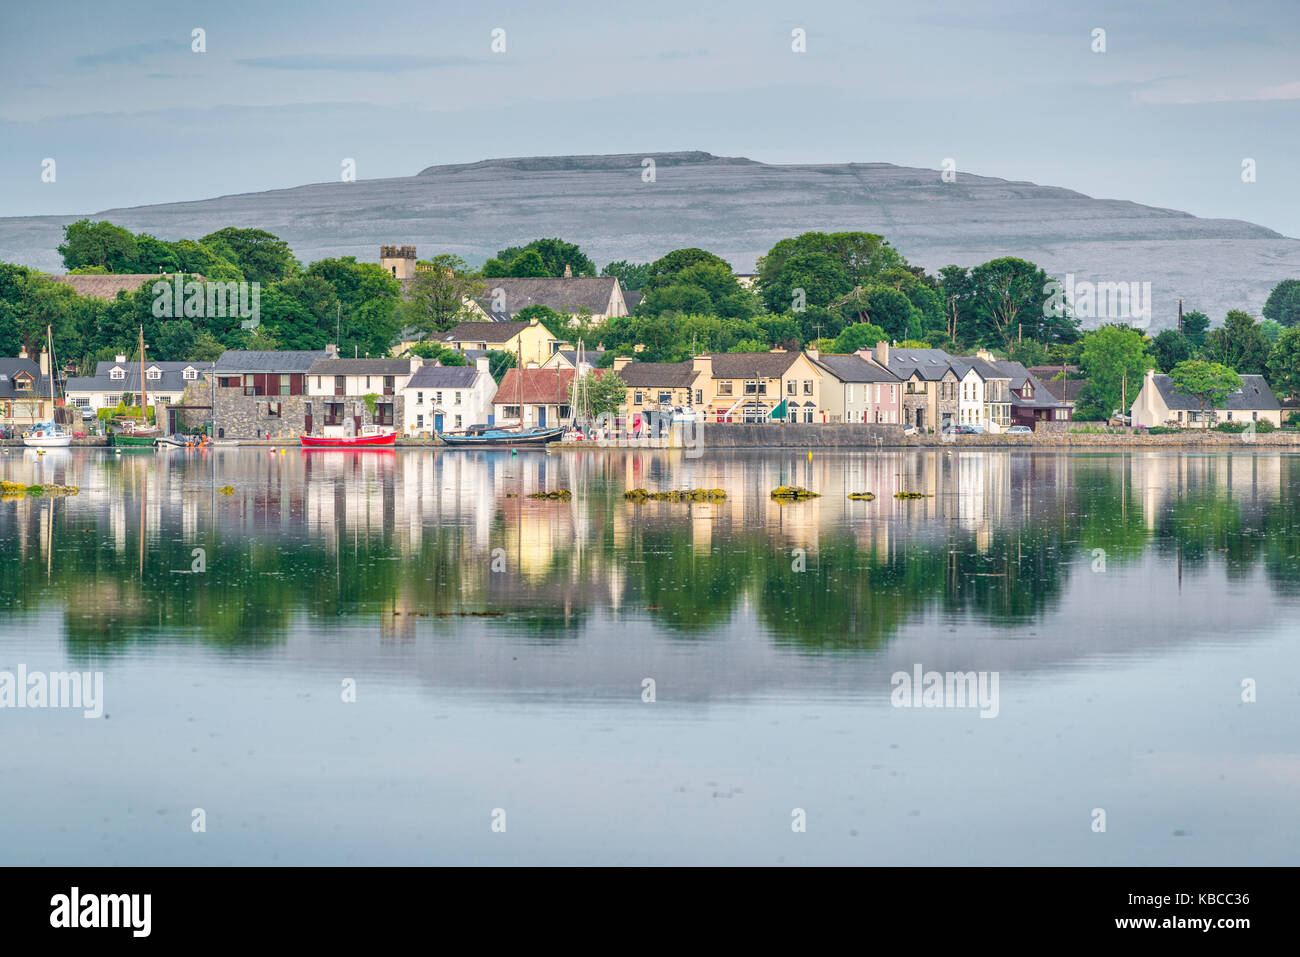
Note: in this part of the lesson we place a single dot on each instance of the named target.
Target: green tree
(1284, 363)
(859, 335)
(499, 361)
(1195, 326)
(859, 259)
(541, 257)
(1114, 360)
(98, 244)
(1283, 304)
(1207, 382)
(439, 291)
(436, 352)
(1010, 300)
(603, 391)
(631, 275)
(1239, 344)
(261, 256)
(1170, 348)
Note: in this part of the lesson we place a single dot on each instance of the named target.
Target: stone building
(348, 394)
(261, 394)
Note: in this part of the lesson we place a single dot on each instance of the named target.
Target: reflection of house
(529, 342)
(264, 393)
(749, 386)
(930, 384)
(449, 398)
(26, 392)
(858, 390)
(163, 382)
(543, 394)
(350, 393)
(1158, 404)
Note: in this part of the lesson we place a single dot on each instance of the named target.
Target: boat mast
(144, 396)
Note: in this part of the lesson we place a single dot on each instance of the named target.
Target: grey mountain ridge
(737, 208)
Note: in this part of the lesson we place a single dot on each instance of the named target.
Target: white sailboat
(49, 435)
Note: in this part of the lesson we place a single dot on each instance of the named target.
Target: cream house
(530, 341)
(1158, 404)
(750, 386)
(344, 390)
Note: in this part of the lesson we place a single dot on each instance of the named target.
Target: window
(333, 413)
(318, 382)
(755, 387)
(457, 399)
(190, 374)
(724, 388)
(340, 385)
(564, 412)
(228, 381)
(251, 386)
(637, 398)
(388, 385)
(117, 373)
(1254, 416)
(153, 374)
(807, 386)
(384, 413)
(367, 382)
(286, 383)
(1229, 415)
(510, 411)
(699, 396)
(665, 398)
(848, 393)
(458, 421)
(419, 398)
(437, 398)
(1028, 392)
(273, 410)
(808, 415)
(419, 422)
(790, 387)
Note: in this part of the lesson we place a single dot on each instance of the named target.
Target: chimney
(45, 363)
(483, 363)
(984, 354)
(532, 320)
(332, 350)
(882, 353)
(568, 273)
(812, 353)
(120, 358)
(622, 362)
(22, 353)
(703, 364)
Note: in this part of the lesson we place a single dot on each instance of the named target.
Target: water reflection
(411, 540)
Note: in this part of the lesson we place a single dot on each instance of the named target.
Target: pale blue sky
(1184, 92)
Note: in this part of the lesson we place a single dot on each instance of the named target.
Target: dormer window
(22, 382)
(192, 373)
(117, 373)
(153, 373)
(1029, 391)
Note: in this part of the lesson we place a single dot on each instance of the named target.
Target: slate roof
(752, 365)
(443, 377)
(1042, 397)
(855, 369)
(173, 377)
(332, 366)
(234, 361)
(490, 332)
(591, 357)
(563, 294)
(108, 286)
(540, 387)
(632, 299)
(1064, 390)
(11, 367)
(658, 375)
(987, 370)
(932, 364)
(1254, 395)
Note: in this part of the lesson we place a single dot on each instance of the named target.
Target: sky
(282, 94)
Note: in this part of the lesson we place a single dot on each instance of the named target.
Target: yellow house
(530, 341)
(656, 386)
(748, 386)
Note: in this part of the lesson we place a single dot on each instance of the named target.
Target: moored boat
(48, 436)
(371, 437)
(484, 436)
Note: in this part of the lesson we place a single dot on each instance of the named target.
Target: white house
(163, 382)
(449, 398)
(344, 390)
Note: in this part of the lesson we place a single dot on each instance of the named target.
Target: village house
(1158, 404)
(568, 359)
(597, 297)
(164, 382)
(751, 386)
(260, 393)
(108, 285)
(1031, 403)
(449, 398)
(26, 391)
(530, 342)
(931, 397)
(544, 395)
(348, 394)
(984, 392)
(655, 387)
(858, 390)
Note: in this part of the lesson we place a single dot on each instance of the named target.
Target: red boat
(371, 437)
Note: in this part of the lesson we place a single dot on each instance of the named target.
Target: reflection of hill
(414, 542)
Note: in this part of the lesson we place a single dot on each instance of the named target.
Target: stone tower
(398, 260)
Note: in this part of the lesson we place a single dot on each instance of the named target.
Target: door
(437, 422)
(541, 416)
(356, 425)
(306, 422)
(171, 421)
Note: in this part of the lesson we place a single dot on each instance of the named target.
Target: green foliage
(97, 244)
(631, 275)
(541, 257)
(1114, 360)
(261, 256)
(438, 293)
(1195, 327)
(1170, 348)
(826, 266)
(370, 399)
(603, 391)
(1239, 344)
(437, 352)
(500, 361)
(1207, 382)
(859, 335)
(1028, 352)
(1283, 304)
(1263, 427)
(1010, 298)
(1284, 363)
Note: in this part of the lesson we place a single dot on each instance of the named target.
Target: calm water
(499, 646)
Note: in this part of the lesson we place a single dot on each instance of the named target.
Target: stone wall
(240, 416)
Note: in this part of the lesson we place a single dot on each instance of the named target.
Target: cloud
(1282, 91)
(133, 53)
(353, 63)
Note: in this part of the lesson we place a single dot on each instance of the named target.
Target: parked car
(909, 430)
(969, 430)
(87, 414)
(1020, 430)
